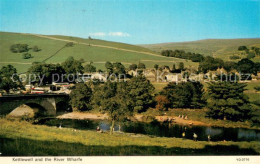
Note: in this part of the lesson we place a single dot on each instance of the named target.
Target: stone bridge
(48, 104)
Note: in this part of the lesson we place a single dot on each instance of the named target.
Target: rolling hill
(221, 48)
(97, 51)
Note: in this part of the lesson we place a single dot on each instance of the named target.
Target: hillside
(222, 48)
(97, 51)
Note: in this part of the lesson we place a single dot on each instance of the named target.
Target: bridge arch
(63, 107)
(29, 110)
(41, 104)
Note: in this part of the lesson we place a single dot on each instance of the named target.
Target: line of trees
(245, 66)
(195, 57)
(209, 63)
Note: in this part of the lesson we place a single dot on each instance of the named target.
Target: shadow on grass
(26, 147)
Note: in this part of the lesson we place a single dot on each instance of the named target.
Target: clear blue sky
(134, 21)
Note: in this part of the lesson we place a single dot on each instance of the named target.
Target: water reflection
(161, 129)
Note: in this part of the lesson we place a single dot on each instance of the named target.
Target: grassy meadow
(220, 48)
(23, 138)
(97, 51)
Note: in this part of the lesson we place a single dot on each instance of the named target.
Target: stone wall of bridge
(47, 103)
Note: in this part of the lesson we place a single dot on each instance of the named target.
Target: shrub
(242, 48)
(27, 56)
(257, 88)
(162, 102)
(18, 48)
(69, 44)
(36, 49)
(250, 55)
(234, 57)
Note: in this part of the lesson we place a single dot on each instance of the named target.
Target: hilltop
(91, 50)
(221, 48)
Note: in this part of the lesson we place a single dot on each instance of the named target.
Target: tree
(173, 68)
(162, 102)
(140, 90)
(113, 99)
(250, 55)
(257, 66)
(181, 66)
(9, 80)
(46, 73)
(257, 88)
(69, 44)
(197, 91)
(109, 67)
(226, 100)
(36, 49)
(242, 48)
(184, 95)
(80, 97)
(156, 66)
(118, 68)
(133, 67)
(183, 55)
(90, 68)
(27, 56)
(234, 57)
(210, 64)
(141, 66)
(246, 66)
(256, 50)
(18, 48)
(229, 65)
(72, 66)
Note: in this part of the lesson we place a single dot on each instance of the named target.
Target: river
(160, 129)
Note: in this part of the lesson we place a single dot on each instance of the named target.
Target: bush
(234, 57)
(36, 49)
(148, 118)
(250, 55)
(69, 44)
(27, 56)
(18, 48)
(257, 88)
(242, 48)
(162, 102)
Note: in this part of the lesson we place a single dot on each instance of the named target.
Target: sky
(134, 21)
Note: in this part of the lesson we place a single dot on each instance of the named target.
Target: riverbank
(199, 117)
(23, 138)
(83, 115)
(196, 117)
(137, 117)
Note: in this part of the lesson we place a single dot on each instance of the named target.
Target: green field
(97, 51)
(23, 138)
(221, 48)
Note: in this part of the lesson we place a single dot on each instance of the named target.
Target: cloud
(116, 34)
(120, 34)
(98, 34)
